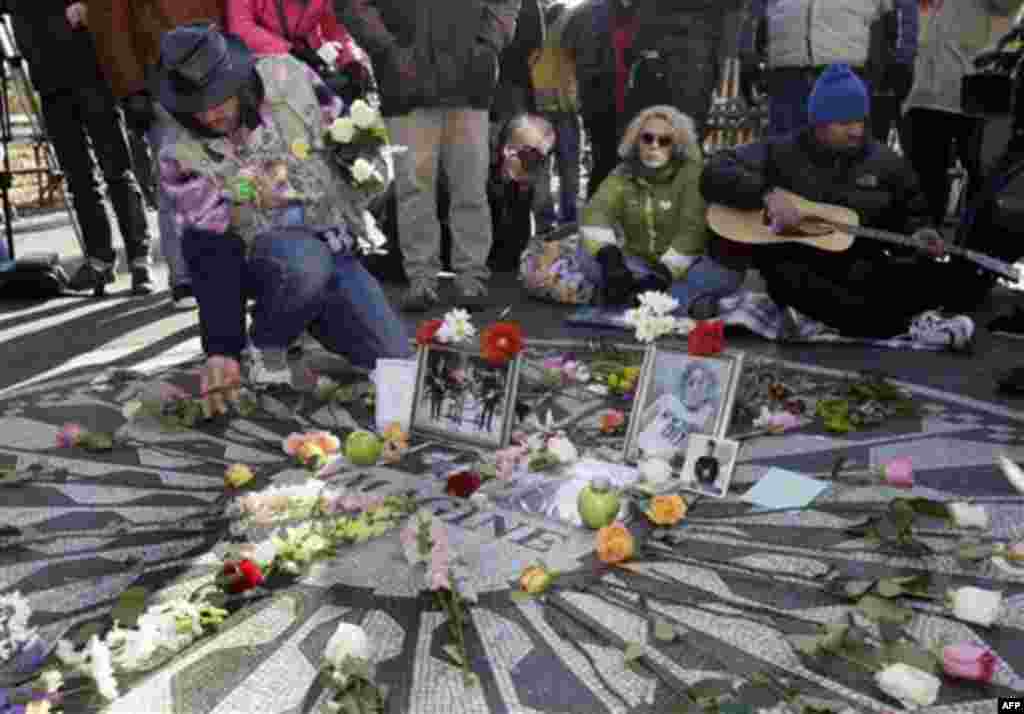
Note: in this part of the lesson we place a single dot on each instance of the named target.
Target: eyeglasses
(650, 138)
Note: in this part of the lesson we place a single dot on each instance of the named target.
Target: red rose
(463, 484)
(501, 342)
(707, 338)
(241, 576)
(427, 330)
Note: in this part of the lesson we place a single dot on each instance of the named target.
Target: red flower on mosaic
(427, 330)
(501, 342)
(463, 484)
(241, 576)
(707, 338)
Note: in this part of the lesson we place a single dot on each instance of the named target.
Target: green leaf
(8, 473)
(84, 633)
(878, 608)
(908, 653)
(130, 605)
(809, 645)
(975, 551)
(834, 637)
(453, 652)
(928, 507)
(633, 651)
(520, 596)
(709, 691)
(889, 588)
(857, 588)
(663, 630)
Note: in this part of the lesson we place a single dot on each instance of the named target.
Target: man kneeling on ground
(865, 291)
(264, 213)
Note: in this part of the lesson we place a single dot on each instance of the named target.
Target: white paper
(395, 380)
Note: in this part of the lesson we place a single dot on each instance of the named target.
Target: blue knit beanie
(838, 96)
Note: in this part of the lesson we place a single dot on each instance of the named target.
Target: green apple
(363, 448)
(598, 504)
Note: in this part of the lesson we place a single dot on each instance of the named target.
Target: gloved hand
(781, 212)
(932, 244)
(139, 113)
(618, 280)
(660, 280)
(219, 381)
(898, 80)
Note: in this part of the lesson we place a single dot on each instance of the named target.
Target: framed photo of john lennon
(680, 394)
(462, 398)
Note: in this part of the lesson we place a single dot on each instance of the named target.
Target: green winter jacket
(661, 218)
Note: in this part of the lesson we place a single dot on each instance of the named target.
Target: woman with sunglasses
(645, 229)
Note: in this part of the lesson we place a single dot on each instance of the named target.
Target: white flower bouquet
(359, 143)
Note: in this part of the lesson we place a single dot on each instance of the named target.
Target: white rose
(1014, 474)
(342, 130)
(975, 605)
(347, 641)
(965, 515)
(562, 449)
(655, 470)
(362, 170)
(658, 303)
(912, 686)
(363, 115)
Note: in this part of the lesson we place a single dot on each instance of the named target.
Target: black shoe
(90, 278)
(183, 297)
(142, 280)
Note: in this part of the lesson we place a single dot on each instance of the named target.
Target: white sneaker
(269, 367)
(932, 328)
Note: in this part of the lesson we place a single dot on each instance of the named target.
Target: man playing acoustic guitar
(869, 289)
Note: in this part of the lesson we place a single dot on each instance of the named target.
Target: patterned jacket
(206, 177)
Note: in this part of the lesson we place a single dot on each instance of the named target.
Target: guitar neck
(985, 261)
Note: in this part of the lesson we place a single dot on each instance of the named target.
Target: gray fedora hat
(200, 68)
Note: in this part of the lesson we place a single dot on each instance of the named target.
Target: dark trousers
(931, 139)
(603, 134)
(74, 119)
(885, 114)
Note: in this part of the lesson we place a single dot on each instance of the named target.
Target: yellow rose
(667, 510)
(237, 475)
(535, 580)
(614, 544)
(300, 149)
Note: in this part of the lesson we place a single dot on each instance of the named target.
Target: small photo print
(709, 465)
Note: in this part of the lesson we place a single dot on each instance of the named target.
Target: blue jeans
(297, 283)
(705, 278)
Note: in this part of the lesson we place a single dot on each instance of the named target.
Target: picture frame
(463, 399)
(679, 394)
(709, 464)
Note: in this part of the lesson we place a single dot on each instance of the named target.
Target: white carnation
(363, 170)
(342, 130)
(363, 115)
(975, 605)
(913, 687)
(456, 327)
(966, 515)
(658, 303)
(347, 641)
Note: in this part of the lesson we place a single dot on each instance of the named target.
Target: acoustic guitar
(827, 227)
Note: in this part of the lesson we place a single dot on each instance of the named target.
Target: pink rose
(969, 661)
(899, 472)
(1015, 552)
(553, 363)
(69, 435)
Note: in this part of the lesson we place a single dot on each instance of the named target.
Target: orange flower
(535, 579)
(501, 342)
(328, 442)
(311, 456)
(394, 432)
(667, 510)
(614, 544)
(426, 331)
(292, 443)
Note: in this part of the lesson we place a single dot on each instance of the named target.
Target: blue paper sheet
(780, 488)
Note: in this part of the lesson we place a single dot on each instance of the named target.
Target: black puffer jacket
(59, 57)
(456, 46)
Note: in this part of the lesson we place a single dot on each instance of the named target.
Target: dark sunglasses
(664, 140)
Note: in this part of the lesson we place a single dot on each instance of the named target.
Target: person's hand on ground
(782, 212)
(219, 382)
(930, 242)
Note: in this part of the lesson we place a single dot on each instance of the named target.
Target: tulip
(966, 515)
(899, 472)
(911, 686)
(975, 605)
(969, 661)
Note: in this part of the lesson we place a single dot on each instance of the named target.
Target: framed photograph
(461, 398)
(679, 395)
(709, 465)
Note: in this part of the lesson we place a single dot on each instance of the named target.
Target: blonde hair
(684, 131)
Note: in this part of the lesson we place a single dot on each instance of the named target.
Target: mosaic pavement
(79, 528)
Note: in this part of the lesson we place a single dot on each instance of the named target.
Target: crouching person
(644, 228)
(265, 212)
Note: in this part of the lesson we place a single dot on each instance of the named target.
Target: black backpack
(34, 277)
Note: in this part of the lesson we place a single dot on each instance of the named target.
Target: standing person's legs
(465, 152)
(927, 143)
(71, 144)
(419, 232)
(603, 135)
(105, 124)
(567, 165)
